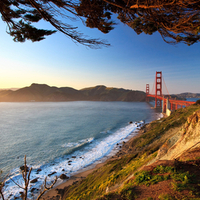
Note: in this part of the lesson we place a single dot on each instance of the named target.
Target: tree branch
(46, 188)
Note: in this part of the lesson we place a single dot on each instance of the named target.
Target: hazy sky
(129, 63)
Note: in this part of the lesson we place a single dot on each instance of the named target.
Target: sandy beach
(56, 192)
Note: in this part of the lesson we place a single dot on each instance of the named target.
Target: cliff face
(43, 92)
(186, 138)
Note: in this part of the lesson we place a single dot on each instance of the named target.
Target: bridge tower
(147, 92)
(158, 89)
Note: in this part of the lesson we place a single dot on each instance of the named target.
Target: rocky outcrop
(63, 177)
(186, 138)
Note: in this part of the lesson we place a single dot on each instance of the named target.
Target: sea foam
(96, 150)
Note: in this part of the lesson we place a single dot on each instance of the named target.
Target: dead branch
(46, 188)
(1, 189)
(26, 176)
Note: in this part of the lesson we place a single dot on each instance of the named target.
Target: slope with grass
(161, 162)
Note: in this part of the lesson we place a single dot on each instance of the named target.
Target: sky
(130, 62)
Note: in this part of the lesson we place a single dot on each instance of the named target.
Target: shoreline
(57, 191)
(36, 185)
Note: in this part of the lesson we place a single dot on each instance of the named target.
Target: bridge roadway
(174, 103)
(168, 104)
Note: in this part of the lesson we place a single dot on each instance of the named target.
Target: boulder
(51, 174)
(23, 168)
(34, 180)
(73, 156)
(39, 170)
(63, 176)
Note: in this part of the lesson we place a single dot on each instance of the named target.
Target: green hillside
(122, 178)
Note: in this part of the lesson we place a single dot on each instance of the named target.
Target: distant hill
(103, 93)
(43, 92)
(13, 89)
(188, 95)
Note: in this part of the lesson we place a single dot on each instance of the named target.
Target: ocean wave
(77, 144)
(106, 132)
(79, 159)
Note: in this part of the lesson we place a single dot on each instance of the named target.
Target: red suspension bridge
(165, 101)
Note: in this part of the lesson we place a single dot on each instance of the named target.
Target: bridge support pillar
(158, 89)
(167, 103)
(171, 106)
(147, 92)
(163, 105)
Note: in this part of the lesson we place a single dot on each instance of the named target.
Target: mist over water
(51, 133)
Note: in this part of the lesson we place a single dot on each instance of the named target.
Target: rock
(23, 168)
(184, 138)
(51, 174)
(63, 170)
(60, 192)
(73, 156)
(69, 161)
(34, 180)
(39, 170)
(63, 176)
(33, 189)
(69, 164)
(130, 122)
(74, 182)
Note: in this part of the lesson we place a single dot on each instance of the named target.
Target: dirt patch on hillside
(189, 163)
(193, 154)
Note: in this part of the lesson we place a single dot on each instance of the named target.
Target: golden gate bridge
(167, 103)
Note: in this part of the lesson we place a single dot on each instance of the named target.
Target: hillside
(188, 95)
(161, 162)
(45, 93)
(42, 92)
(103, 93)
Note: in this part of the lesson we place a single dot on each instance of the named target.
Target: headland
(161, 161)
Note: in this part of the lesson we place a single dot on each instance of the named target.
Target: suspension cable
(153, 86)
(166, 88)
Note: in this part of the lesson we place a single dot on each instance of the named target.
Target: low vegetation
(125, 176)
(121, 178)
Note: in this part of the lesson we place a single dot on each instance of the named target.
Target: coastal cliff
(45, 93)
(161, 162)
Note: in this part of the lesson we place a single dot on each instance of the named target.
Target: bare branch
(1, 189)
(17, 184)
(46, 188)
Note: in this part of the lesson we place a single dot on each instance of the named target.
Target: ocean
(63, 137)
